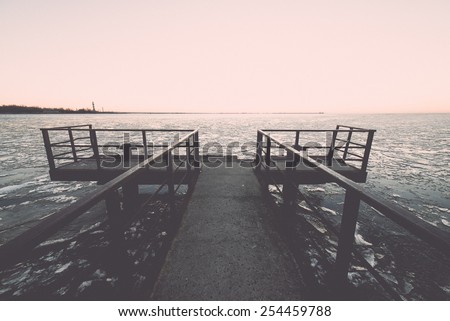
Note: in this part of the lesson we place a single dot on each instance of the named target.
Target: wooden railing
(82, 142)
(354, 194)
(340, 143)
(13, 250)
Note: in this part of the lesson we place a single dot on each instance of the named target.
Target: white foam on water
(60, 189)
(354, 278)
(4, 290)
(99, 274)
(83, 286)
(328, 210)
(86, 228)
(434, 223)
(61, 199)
(19, 277)
(75, 187)
(332, 253)
(314, 262)
(445, 288)
(63, 268)
(389, 277)
(272, 189)
(316, 224)
(12, 188)
(315, 189)
(359, 268)
(52, 242)
(407, 287)
(379, 256)
(378, 212)
(445, 222)
(359, 240)
(305, 206)
(369, 256)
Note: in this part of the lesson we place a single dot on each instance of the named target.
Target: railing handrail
(425, 231)
(66, 127)
(33, 236)
(117, 129)
(360, 130)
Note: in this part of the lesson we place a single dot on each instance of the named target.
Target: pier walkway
(225, 248)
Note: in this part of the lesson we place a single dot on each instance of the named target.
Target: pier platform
(226, 248)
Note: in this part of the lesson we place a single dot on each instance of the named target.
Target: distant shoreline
(14, 109)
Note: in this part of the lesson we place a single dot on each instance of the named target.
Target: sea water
(409, 162)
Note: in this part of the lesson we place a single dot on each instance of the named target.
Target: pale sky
(227, 55)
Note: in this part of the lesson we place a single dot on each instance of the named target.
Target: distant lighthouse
(93, 107)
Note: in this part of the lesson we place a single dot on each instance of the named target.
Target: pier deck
(226, 249)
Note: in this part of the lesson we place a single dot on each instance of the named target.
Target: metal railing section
(341, 142)
(13, 250)
(354, 194)
(81, 142)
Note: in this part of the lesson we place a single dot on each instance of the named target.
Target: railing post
(196, 150)
(290, 188)
(346, 236)
(268, 147)
(329, 157)
(144, 143)
(297, 139)
(93, 136)
(170, 181)
(188, 154)
(72, 144)
(347, 144)
(259, 142)
(367, 150)
(48, 149)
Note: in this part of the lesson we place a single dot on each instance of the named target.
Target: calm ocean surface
(409, 163)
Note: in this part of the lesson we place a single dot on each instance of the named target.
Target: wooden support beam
(94, 144)
(346, 236)
(114, 210)
(48, 149)
(196, 150)
(268, 148)
(330, 154)
(367, 150)
(259, 142)
(170, 182)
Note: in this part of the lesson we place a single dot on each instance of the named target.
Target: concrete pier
(226, 248)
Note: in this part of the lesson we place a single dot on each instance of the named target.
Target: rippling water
(409, 163)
